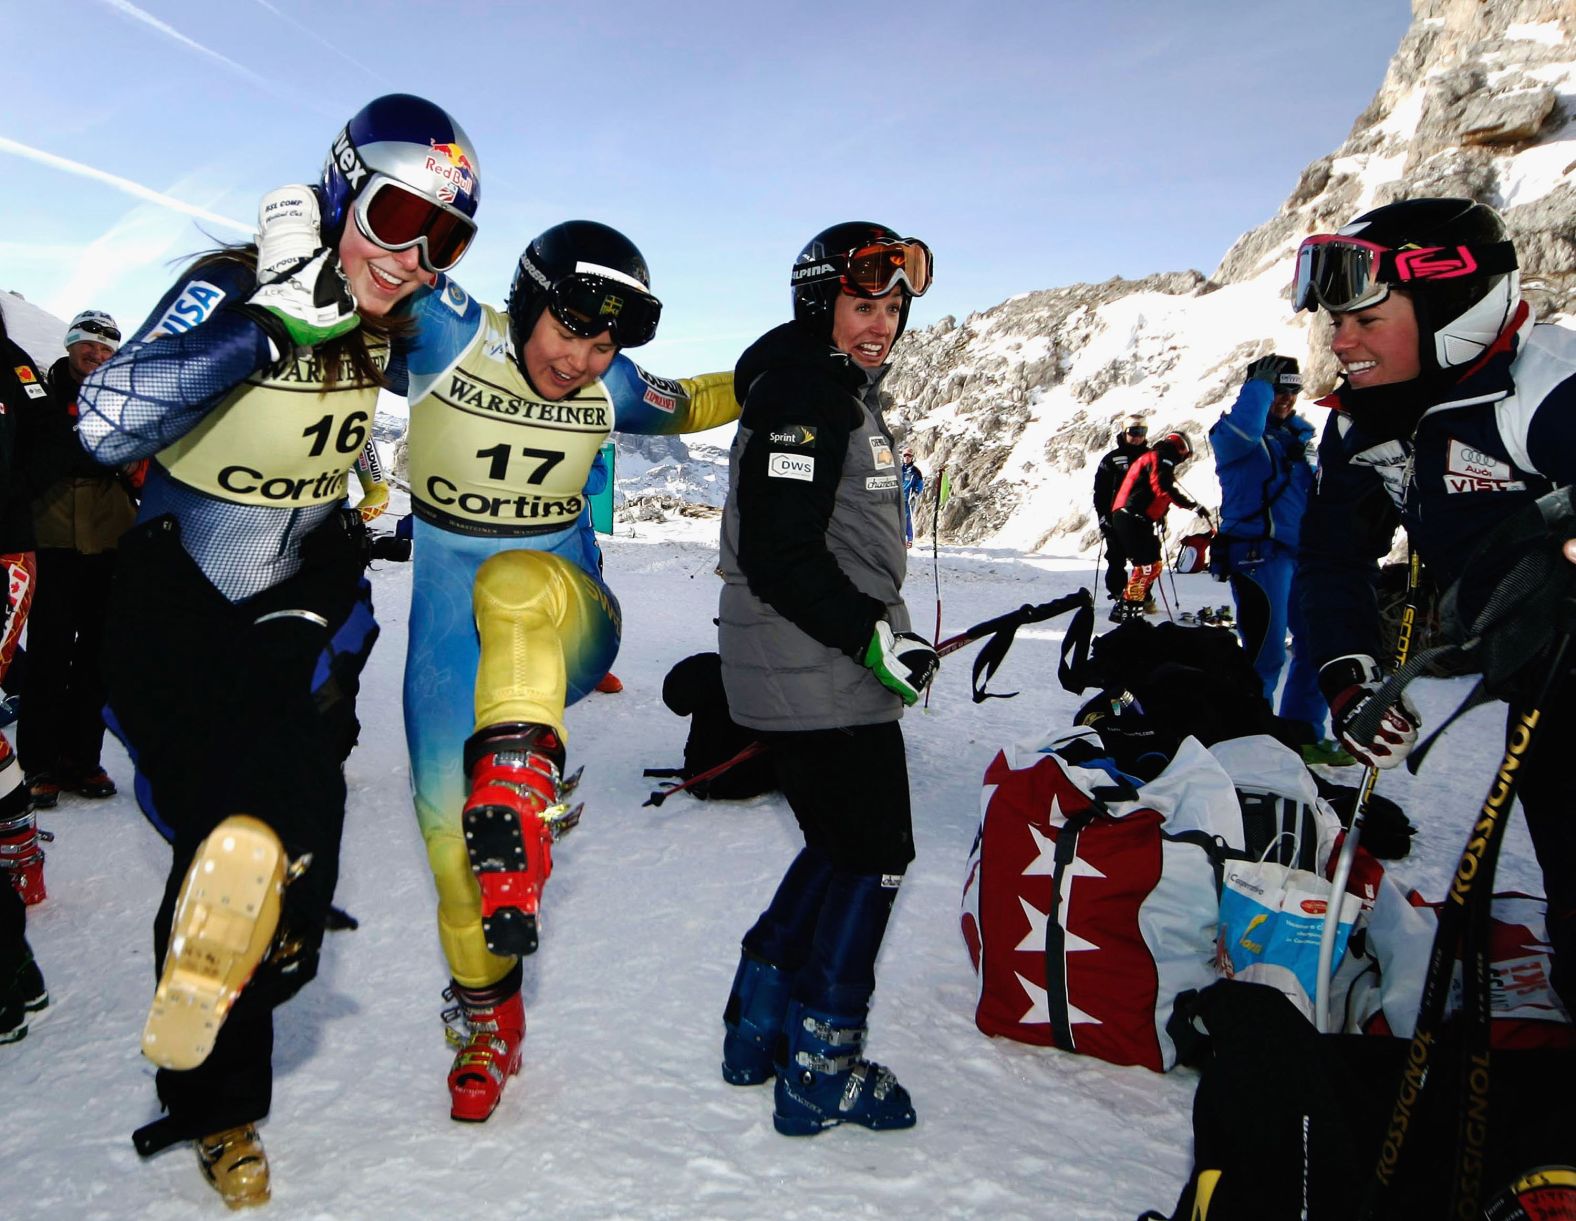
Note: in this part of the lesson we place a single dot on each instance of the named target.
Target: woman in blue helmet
(817, 657)
(252, 389)
(510, 619)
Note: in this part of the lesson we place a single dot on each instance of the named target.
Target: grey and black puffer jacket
(812, 539)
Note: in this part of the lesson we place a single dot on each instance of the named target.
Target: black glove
(1271, 369)
(905, 663)
(1351, 685)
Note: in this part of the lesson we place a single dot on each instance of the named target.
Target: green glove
(905, 663)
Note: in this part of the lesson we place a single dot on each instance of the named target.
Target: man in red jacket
(1137, 512)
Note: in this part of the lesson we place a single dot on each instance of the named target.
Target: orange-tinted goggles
(874, 270)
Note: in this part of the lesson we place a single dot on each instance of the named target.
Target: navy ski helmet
(1450, 256)
(394, 148)
(822, 272)
(592, 277)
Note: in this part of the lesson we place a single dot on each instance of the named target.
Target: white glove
(905, 663)
(310, 304)
(288, 231)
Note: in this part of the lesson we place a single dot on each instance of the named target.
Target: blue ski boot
(825, 1080)
(770, 955)
(754, 1020)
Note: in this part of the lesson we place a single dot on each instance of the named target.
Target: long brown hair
(353, 350)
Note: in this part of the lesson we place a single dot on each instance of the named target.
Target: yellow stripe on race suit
(282, 438)
(490, 456)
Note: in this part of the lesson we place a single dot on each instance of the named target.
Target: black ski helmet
(814, 299)
(1452, 258)
(410, 140)
(595, 278)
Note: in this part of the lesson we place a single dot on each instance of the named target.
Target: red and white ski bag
(1086, 914)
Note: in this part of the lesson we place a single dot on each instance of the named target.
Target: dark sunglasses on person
(103, 330)
(397, 218)
(1347, 273)
(1138, 432)
(589, 304)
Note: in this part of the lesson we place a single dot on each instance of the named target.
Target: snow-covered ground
(620, 1110)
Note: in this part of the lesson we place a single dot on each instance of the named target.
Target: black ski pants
(1140, 537)
(848, 790)
(1115, 561)
(63, 685)
(215, 701)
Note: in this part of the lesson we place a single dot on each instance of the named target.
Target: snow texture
(620, 1110)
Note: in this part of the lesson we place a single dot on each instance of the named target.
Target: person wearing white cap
(78, 519)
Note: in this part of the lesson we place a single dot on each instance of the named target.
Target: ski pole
(935, 561)
(1471, 885)
(1001, 625)
(1165, 542)
(711, 773)
(1354, 831)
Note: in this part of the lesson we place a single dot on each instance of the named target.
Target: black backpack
(693, 688)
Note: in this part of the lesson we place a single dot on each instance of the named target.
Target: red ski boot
(488, 1025)
(21, 859)
(514, 814)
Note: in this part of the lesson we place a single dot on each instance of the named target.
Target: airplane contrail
(313, 34)
(137, 14)
(120, 184)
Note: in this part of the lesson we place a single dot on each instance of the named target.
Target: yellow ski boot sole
(224, 923)
(235, 1165)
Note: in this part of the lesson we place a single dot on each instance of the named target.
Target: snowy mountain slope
(36, 331)
(1019, 400)
(620, 1111)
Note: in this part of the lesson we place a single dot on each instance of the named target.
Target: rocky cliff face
(1019, 401)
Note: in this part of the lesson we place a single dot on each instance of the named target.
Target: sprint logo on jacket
(1471, 470)
(792, 434)
(791, 466)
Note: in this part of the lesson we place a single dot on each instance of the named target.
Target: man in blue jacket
(1261, 458)
(913, 486)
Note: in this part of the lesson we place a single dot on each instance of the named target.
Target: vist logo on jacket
(1471, 470)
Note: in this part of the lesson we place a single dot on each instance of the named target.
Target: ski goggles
(875, 269)
(396, 218)
(1346, 273)
(587, 304)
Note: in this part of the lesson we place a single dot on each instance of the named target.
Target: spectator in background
(1138, 516)
(78, 520)
(1131, 443)
(1262, 460)
(22, 989)
(913, 487)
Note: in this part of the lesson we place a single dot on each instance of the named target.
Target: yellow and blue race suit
(510, 619)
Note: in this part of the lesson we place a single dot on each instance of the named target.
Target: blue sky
(1031, 144)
